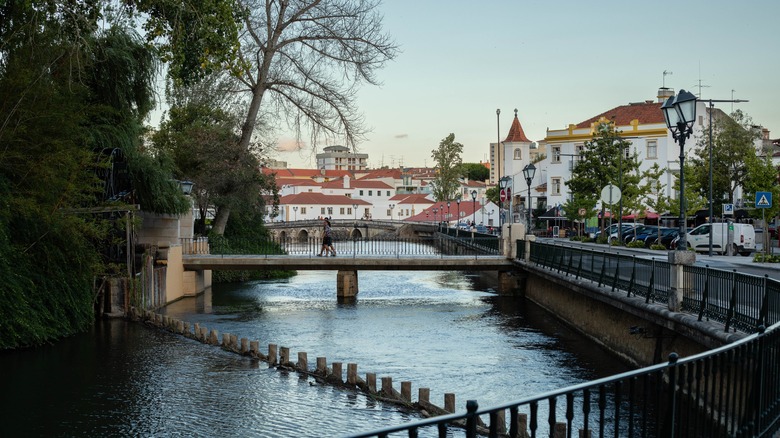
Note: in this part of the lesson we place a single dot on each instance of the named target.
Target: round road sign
(610, 194)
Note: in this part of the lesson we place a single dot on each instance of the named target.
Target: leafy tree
(448, 162)
(600, 163)
(732, 149)
(475, 171)
(762, 177)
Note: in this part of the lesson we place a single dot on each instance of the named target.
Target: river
(446, 331)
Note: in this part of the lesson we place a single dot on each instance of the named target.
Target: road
(742, 264)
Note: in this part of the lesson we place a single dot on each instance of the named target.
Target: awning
(553, 213)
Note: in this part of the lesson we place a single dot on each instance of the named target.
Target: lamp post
(354, 212)
(457, 222)
(392, 206)
(498, 158)
(680, 114)
(504, 184)
(295, 209)
(435, 210)
(448, 216)
(528, 174)
(474, 204)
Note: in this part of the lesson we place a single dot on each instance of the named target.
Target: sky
(556, 62)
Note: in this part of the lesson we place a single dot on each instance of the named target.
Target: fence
(439, 245)
(739, 301)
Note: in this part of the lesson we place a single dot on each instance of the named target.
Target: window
(518, 154)
(627, 154)
(388, 193)
(652, 149)
(579, 149)
(341, 211)
(556, 186)
(556, 154)
(390, 212)
(370, 193)
(322, 210)
(303, 210)
(361, 193)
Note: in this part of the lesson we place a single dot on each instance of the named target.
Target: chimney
(664, 93)
(346, 181)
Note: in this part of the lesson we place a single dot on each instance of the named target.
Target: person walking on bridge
(327, 240)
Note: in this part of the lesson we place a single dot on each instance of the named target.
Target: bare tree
(308, 58)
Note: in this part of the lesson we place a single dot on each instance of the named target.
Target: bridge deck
(388, 263)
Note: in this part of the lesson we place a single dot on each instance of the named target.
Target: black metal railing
(729, 391)
(439, 245)
(739, 301)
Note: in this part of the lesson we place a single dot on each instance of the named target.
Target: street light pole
(528, 173)
(295, 209)
(498, 160)
(354, 212)
(457, 222)
(448, 216)
(680, 114)
(474, 205)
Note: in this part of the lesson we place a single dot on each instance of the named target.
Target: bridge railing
(739, 301)
(435, 245)
(729, 391)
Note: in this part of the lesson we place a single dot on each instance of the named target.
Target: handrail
(731, 390)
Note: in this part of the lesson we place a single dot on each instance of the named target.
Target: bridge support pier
(507, 283)
(346, 285)
(681, 284)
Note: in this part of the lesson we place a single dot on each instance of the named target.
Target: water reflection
(444, 331)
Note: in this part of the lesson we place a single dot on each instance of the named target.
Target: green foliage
(657, 247)
(447, 157)
(635, 244)
(492, 194)
(760, 257)
(606, 159)
(475, 171)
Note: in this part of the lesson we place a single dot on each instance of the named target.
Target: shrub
(657, 247)
(636, 244)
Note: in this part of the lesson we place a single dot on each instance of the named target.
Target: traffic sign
(582, 212)
(505, 194)
(610, 194)
(763, 199)
(728, 209)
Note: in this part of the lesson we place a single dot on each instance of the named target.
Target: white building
(341, 158)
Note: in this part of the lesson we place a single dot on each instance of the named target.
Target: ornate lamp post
(435, 210)
(528, 174)
(457, 222)
(504, 184)
(680, 114)
(295, 209)
(392, 206)
(474, 204)
(448, 216)
(354, 211)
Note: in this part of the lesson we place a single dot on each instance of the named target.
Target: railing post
(471, 420)
(732, 301)
(633, 276)
(706, 294)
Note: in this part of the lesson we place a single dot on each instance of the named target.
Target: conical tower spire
(516, 133)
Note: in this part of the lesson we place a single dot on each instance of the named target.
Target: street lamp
(295, 209)
(457, 222)
(435, 210)
(504, 184)
(474, 204)
(680, 114)
(448, 216)
(354, 211)
(392, 206)
(528, 174)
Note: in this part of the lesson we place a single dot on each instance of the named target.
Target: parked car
(612, 230)
(632, 233)
(482, 229)
(742, 238)
(650, 235)
(668, 235)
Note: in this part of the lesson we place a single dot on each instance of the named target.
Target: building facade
(341, 158)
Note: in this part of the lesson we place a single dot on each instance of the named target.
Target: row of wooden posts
(280, 358)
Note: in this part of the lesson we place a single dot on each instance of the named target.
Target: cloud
(290, 145)
(399, 136)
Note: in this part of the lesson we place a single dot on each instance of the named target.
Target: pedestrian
(327, 240)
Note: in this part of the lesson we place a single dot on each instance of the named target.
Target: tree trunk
(220, 221)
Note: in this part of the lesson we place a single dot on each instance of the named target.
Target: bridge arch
(302, 236)
(355, 234)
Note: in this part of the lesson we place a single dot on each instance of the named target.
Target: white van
(743, 238)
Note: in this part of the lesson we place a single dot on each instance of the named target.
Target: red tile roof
(646, 112)
(516, 133)
(382, 173)
(411, 199)
(312, 198)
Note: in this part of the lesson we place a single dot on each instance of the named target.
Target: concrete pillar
(507, 284)
(680, 283)
(528, 239)
(346, 285)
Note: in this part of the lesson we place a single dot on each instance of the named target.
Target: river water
(446, 331)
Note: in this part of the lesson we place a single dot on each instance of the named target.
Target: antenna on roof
(700, 86)
(663, 81)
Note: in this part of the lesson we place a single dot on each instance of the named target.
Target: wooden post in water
(284, 356)
(338, 373)
(303, 361)
(352, 373)
(254, 348)
(560, 430)
(387, 386)
(271, 355)
(449, 402)
(371, 382)
(244, 345)
(234, 342)
(406, 391)
(501, 422)
(522, 424)
(214, 337)
(226, 340)
(322, 366)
